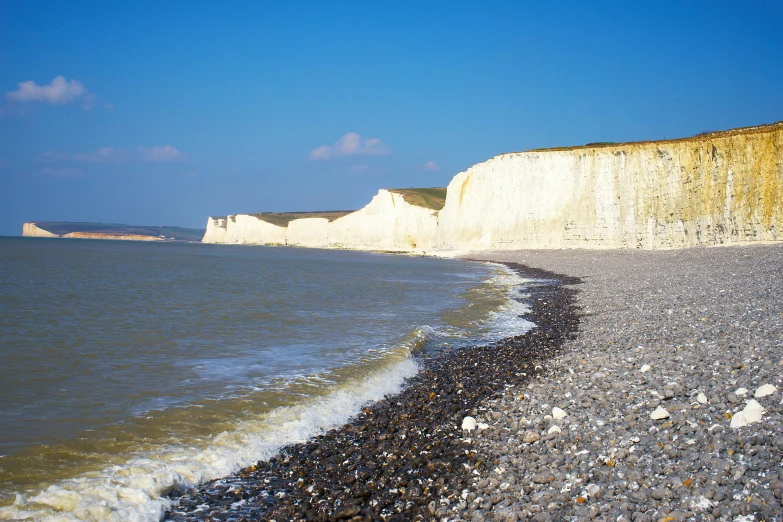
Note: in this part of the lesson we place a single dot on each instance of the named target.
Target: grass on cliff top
(66, 227)
(281, 219)
(433, 198)
(700, 136)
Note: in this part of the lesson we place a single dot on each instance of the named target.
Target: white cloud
(57, 92)
(431, 166)
(163, 153)
(103, 155)
(351, 144)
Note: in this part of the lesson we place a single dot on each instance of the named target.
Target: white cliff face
(309, 232)
(242, 229)
(388, 222)
(725, 189)
(32, 230)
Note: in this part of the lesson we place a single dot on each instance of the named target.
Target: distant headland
(76, 230)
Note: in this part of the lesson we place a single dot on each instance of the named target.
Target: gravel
(705, 321)
(699, 321)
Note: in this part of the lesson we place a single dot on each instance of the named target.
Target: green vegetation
(433, 198)
(65, 227)
(281, 219)
(601, 143)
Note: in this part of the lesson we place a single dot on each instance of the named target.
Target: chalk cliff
(721, 188)
(32, 230)
(103, 235)
(713, 189)
(243, 229)
(388, 222)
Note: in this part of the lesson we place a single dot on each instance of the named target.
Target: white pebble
(751, 414)
(558, 414)
(555, 429)
(659, 413)
(741, 391)
(592, 489)
(469, 423)
(764, 390)
(701, 398)
(645, 368)
(482, 426)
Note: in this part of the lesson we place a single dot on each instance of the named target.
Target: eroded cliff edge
(714, 189)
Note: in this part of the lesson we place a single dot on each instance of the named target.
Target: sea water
(129, 368)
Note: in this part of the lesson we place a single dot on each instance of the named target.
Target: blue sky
(168, 112)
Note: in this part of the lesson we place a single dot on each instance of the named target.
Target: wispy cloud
(57, 92)
(103, 155)
(431, 166)
(351, 144)
(60, 173)
(163, 153)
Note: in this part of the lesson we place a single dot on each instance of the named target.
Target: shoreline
(646, 415)
(428, 461)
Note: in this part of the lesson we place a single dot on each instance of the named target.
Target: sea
(131, 368)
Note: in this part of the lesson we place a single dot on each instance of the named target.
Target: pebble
(558, 414)
(752, 413)
(701, 398)
(469, 423)
(645, 368)
(659, 413)
(530, 437)
(764, 390)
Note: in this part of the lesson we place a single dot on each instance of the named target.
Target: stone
(752, 413)
(592, 489)
(659, 413)
(645, 368)
(469, 423)
(558, 414)
(482, 425)
(530, 437)
(701, 398)
(554, 429)
(764, 390)
(741, 392)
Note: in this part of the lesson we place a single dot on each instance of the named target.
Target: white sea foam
(506, 322)
(133, 492)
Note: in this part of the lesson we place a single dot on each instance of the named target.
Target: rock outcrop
(713, 189)
(32, 230)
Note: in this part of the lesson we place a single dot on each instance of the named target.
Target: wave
(134, 491)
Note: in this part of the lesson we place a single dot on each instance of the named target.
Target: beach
(619, 334)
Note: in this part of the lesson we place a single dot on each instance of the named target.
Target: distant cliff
(718, 188)
(110, 231)
(388, 222)
(32, 230)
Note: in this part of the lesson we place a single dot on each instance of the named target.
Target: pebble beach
(650, 389)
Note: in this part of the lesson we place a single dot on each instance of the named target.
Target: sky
(165, 113)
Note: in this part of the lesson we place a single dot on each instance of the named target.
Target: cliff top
(281, 219)
(433, 198)
(61, 228)
(706, 135)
